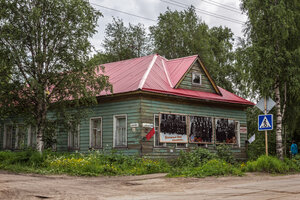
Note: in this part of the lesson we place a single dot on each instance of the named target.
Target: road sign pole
(266, 134)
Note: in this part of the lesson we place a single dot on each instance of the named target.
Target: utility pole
(266, 132)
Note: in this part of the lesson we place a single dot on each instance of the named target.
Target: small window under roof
(196, 79)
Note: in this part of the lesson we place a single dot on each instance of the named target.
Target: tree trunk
(41, 122)
(279, 150)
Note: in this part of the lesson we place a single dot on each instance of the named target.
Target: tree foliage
(273, 49)
(182, 33)
(122, 42)
(44, 47)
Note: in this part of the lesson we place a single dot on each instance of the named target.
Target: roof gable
(157, 74)
(207, 83)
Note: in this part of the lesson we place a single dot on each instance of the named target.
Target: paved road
(150, 187)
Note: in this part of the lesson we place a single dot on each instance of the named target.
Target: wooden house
(178, 98)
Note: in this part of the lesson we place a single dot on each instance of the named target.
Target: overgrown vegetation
(92, 164)
(202, 163)
(198, 163)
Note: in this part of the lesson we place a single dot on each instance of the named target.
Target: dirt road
(155, 186)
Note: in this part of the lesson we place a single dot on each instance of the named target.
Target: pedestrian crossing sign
(265, 122)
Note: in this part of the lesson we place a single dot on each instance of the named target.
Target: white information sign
(134, 125)
(173, 128)
(147, 125)
(251, 139)
(173, 138)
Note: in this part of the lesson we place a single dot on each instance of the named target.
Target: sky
(212, 12)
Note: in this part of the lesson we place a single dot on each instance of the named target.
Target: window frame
(164, 145)
(115, 129)
(15, 145)
(5, 137)
(29, 137)
(69, 139)
(213, 138)
(196, 74)
(101, 145)
(237, 134)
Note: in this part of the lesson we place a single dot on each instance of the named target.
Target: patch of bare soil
(154, 186)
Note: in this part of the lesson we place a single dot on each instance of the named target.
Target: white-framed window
(74, 137)
(196, 78)
(156, 135)
(227, 131)
(31, 137)
(96, 132)
(14, 136)
(120, 131)
(9, 134)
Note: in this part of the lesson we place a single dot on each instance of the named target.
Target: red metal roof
(155, 73)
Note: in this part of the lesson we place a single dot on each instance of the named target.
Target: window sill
(160, 147)
(73, 149)
(121, 147)
(95, 148)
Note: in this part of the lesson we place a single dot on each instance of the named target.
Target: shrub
(224, 153)
(194, 158)
(214, 167)
(267, 164)
(96, 163)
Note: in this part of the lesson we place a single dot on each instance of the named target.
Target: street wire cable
(233, 9)
(112, 9)
(153, 20)
(182, 5)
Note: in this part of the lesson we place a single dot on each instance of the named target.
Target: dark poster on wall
(201, 130)
(225, 131)
(173, 128)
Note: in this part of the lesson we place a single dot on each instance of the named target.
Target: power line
(124, 12)
(153, 20)
(223, 6)
(182, 5)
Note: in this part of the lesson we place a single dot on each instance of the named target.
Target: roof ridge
(167, 73)
(183, 57)
(145, 76)
(129, 59)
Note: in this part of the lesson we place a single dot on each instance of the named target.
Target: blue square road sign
(265, 122)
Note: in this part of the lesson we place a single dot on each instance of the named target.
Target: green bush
(214, 167)
(224, 153)
(267, 164)
(194, 158)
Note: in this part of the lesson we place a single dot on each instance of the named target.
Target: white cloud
(152, 8)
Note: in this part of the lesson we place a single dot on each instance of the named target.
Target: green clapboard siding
(141, 110)
(206, 85)
(152, 106)
(106, 111)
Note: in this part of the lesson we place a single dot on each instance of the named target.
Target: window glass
(32, 137)
(74, 137)
(201, 129)
(225, 131)
(196, 78)
(20, 139)
(156, 136)
(96, 133)
(120, 131)
(9, 135)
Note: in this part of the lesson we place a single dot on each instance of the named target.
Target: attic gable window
(196, 79)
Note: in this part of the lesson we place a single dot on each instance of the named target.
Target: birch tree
(44, 47)
(273, 31)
